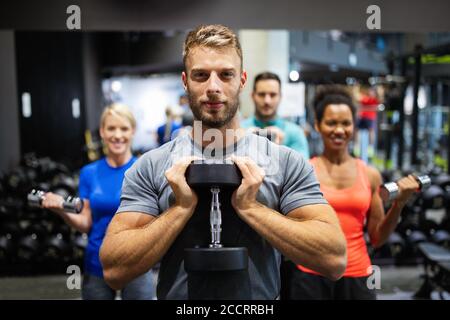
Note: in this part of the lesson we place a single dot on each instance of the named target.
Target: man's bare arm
(310, 236)
(135, 242)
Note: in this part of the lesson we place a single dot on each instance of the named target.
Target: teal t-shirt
(294, 137)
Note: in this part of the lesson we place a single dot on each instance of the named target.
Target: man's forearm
(315, 244)
(129, 253)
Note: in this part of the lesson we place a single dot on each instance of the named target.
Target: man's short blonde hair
(213, 36)
(120, 110)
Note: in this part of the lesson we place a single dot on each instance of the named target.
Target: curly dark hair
(332, 94)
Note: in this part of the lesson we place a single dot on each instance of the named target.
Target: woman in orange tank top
(351, 188)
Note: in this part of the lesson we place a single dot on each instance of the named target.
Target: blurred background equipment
(34, 241)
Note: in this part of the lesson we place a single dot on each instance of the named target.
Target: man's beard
(265, 116)
(227, 113)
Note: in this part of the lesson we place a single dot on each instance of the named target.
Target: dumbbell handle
(71, 204)
(266, 133)
(389, 190)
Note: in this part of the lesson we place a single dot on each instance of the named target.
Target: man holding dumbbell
(352, 189)
(280, 205)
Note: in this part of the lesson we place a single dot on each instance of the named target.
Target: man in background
(266, 96)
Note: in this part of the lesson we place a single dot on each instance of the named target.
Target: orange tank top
(351, 205)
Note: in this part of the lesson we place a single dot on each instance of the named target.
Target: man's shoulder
(268, 149)
(291, 125)
(157, 153)
(247, 122)
(293, 130)
(255, 138)
(162, 153)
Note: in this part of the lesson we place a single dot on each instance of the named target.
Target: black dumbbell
(9, 233)
(442, 180)
(4, 212)
(29, 247)
(442, 238)
(65, 182)
(6, 248)
(392, 249)
(56, 248)
(433, 198)
(389, 190)
(396, 244)
(414, 237)
(70, 204)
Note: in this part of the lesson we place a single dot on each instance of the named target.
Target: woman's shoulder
(371, 170)
(132, 161)
(92, 166)
(373, 175)
(313, 160)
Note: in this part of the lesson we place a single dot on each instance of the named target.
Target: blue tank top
(101, 184)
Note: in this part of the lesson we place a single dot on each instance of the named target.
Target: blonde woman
(100, 187)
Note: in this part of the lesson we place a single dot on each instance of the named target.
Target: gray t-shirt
(289, 183)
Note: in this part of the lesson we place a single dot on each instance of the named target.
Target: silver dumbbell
(70, 204)
(389, 190)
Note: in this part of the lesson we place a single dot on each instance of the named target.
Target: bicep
(129, 220)
(300, 188)
(139, 190)
(375, 215)
(318, 212)
(376, 210)
(86, 212)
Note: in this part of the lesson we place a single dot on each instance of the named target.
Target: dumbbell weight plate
(28, 248)
(6, 247)
(396, 244)
(416, 237)
(73, 204)
(56, 248)
(35, 198)
(388, 191)
(424, 181)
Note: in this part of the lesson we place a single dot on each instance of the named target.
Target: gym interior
(54, 84)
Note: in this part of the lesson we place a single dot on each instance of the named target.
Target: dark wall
(55, 68)
(92, 81)
(141, 48)
(9, 112)
(119, 15)
(50, 68)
